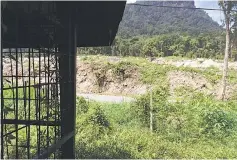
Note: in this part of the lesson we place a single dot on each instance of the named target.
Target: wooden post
(68, 49)
(151, 111)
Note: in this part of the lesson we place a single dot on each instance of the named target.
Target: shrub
(120, 69)
(218, 122)
(142, 106)
(82, 105)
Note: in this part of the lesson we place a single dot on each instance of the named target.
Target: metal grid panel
(30, 101)
(38, 84)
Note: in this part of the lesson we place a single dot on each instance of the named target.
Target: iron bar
(57, 117)
(2, 106)
(16, 115)
(29, 102)
(64, 111)
(35, 85)
(31, 122)
(47, 93)
(39, 105)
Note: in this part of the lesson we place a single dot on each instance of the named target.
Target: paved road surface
(106, 98)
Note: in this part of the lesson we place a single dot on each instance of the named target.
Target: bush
(82, 105)
(142, 106)
(120, 69)
(218, 123)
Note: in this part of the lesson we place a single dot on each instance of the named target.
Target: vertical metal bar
(57, 117)
(16, 115)
(29, 89)
(39, 95)
(29, 97)
(5, 137)
(39, 88)
(2, 104)
(25, 107)
(68, 84)
(47, 93)
(37, 118)
(35, 96)
(24, 89)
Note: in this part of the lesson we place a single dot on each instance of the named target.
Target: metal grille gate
(37, 120)
(29, 101)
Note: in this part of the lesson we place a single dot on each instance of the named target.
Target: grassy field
(198, 128)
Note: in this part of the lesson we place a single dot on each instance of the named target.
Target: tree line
(184, 45)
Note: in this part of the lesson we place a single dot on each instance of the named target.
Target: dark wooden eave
(28, 23)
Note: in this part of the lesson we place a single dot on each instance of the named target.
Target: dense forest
(184, 45)
(151, 20)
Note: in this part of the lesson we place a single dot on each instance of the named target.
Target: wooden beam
(67, 66)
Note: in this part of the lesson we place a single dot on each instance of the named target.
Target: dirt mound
(192, 80)
(231, 91)
(197, 83)
(91, 79)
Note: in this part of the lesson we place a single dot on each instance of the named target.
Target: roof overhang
(33, 23)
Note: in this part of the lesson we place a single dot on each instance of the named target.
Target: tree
(227, 6)
(234, 36)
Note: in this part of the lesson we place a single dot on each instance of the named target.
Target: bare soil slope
(96, 79)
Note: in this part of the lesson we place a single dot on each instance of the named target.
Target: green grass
(197, 128)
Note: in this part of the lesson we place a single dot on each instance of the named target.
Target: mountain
(152, 20)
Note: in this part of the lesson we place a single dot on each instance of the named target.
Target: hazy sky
(215, 15)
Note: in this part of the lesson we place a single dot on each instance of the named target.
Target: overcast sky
(215, 15)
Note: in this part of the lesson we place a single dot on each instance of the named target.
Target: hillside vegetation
(143, 20)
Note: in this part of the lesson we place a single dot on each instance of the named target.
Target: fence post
(151, 111)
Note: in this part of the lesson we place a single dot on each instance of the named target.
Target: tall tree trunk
(227, 50)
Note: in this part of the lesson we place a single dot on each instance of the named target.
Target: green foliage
(151, 72)
(219, 122)
(93, 121)
(199, 127)
(141, 109)
(170, 44)
(82, 105)
(119, 69)
(114, 112)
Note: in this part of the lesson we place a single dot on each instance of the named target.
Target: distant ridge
(147, 20)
